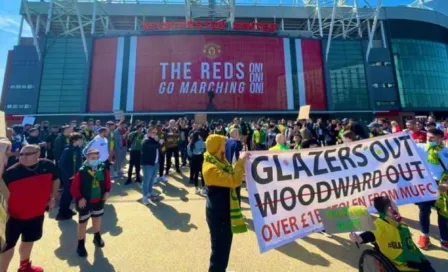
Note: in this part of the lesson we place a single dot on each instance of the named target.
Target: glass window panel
(420, 67)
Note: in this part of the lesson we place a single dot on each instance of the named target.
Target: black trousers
(196, 169)
(66, 198)
(161, 163)
(134, 161)
(221, 239)
(169, 153)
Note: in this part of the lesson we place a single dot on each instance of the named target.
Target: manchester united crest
(212, 50)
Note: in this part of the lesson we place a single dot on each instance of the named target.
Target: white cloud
(11, 24)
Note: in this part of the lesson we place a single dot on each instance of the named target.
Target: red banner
(176, 73)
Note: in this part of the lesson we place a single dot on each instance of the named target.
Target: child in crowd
(91, 188)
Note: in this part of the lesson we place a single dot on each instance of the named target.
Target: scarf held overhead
(236, 217)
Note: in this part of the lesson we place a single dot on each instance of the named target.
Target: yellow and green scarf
(433, 153)
(433, 158)
(236, 217)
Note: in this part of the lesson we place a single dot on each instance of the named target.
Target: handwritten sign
(119, 115)
(200, 119)
(28, 120)
(346, 219)
(304, 112)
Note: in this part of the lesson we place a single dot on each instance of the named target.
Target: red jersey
(419, 136)
(29, 189)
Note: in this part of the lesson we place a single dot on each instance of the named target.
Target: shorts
(91, 210)
(29, 229)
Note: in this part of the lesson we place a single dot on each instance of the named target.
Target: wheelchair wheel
(373, 261)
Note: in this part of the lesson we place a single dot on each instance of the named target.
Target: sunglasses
(28, 153)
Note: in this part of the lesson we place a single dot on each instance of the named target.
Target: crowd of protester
(81, 159)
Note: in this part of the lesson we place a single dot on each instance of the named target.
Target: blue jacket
(233, 148)
(70, 161)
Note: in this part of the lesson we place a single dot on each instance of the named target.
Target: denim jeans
(425, 212)
(149, 176)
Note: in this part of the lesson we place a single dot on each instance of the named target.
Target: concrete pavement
(172, 235)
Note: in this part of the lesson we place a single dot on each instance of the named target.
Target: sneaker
(72, 212)
(153, 194)
(129, 181)
(423, 242)
(27, 267)
(139, 180)
(164, 179)
(145, 200)
(198, 191)
(444, 245)
(82, 252)
(63, 216)
(204, 191)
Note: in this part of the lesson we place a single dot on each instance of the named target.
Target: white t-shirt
(99, 143)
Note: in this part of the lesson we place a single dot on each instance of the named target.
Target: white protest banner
(287, 189)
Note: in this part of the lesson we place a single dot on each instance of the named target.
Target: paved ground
(173, 236)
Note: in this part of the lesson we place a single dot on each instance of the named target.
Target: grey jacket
(118, 140)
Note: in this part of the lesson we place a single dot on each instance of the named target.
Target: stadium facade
(149, 58)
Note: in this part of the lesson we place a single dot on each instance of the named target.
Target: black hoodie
(150, 150)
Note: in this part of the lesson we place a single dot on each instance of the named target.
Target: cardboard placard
(28, 120)
(2, 124)
(5, 145)
(4, 195)
(346, 219)
(304, 112)
(119, 115)
(200, 119)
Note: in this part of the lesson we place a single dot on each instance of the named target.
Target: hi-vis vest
(388, 238)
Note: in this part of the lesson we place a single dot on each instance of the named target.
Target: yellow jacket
(213, 175)
(389, 241)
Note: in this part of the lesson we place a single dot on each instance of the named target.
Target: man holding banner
(430, 153)
(223, 211)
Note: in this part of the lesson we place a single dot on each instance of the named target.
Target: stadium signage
(209, 25)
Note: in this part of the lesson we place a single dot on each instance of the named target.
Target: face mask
(432, 144)
(94, 163)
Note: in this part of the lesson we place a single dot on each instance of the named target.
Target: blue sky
(10, 21)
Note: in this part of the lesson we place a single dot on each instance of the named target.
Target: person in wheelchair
(393, 238)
